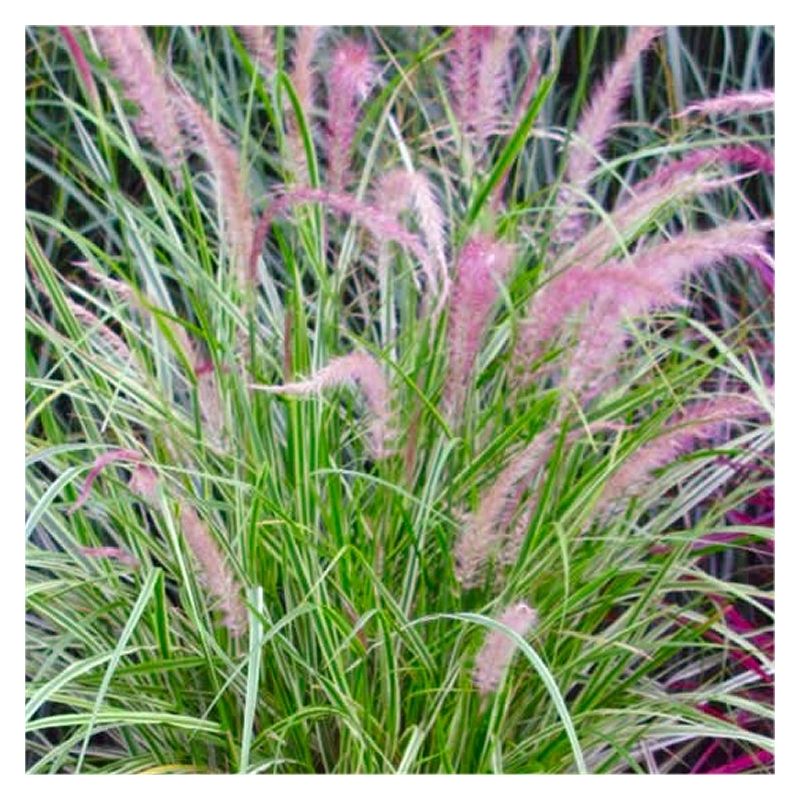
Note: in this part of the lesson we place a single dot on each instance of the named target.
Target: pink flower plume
(483, 263)
(498, 648)
(597, 120)
(733, 103)
(350, 77)
(223, 158)
(259, 40)
(378, 223)
(356, 368)
(134, 64)
(100, 463)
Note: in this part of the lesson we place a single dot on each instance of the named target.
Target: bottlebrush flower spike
(498, 648)
(133, 62)
(259, 40)
(478, 72)
(597, 120)
(483, 263)
(593, 129)
(743, 155)
(597, 244)
(144, 482)
(733, 103)
(608, 294)
(117, 553)
(380, 224)
(302, 76)
(356, 368)
(223, 158)
(400, 190)
(493, 77)
(700, 420)
(464, 69)
(485, 530)
(215, 573)
(349, 79)
(100, 463)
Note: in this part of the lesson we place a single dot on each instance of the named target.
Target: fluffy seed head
(498, 648)
(364, 371)
(483, 263)
(134, 63)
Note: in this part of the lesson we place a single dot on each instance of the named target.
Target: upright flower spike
(215, 573)
(597, 120)
(485, 530)
(594, 128)
(350, 77)
(498, 648)
(303, 77)
(134, 63)
(223, 158)
(259, 40)
(478, 73)
(356, 368)
(483, 263)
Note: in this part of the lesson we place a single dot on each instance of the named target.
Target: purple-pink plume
(350, 77)
(483, 263)
(733, 103)
(134, 63)
(498, 648)
(356, 368)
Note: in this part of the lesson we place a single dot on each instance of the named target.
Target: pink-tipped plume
(215, 573)
(259, 40)
(134, 63)
(380, 224)
(482, 265)
(223, 158)
(400, 190)
(699, 421)
(356, 368)
(498, 648)
(302, 75)
(350, 77)
(733, 103)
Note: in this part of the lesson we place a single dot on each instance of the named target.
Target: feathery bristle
(700, 420)
(483, 263)
(356, 368)
(349, 79)
(498, 648)
(223, 158)
(134, 63)
(259, 40)
(733, 103)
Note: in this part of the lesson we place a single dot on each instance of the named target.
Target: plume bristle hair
(498, 648)
(482, 265)
(364, 371)
(134, 64)
(223, 158)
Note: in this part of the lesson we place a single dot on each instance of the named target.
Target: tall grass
(538, 538)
